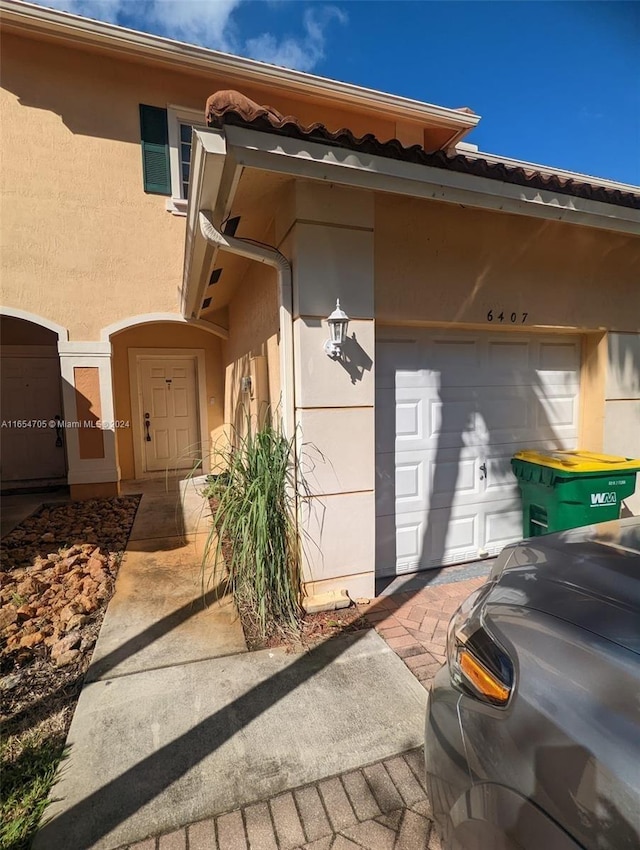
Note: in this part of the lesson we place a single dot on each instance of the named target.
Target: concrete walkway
(381, 806)
(178, 724)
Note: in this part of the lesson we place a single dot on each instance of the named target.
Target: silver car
(533, 724)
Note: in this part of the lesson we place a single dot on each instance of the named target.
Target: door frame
(197, 355)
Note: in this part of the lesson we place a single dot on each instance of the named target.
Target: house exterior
(172, 249)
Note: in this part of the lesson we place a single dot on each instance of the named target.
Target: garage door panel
(409, 420)
(506, 357)
(504, 414)
(454, 356)
(451, 422)
(559, 356)
(396, 356)
(449, 474)
(419, 541)
(500, 520)
(417, 480)
(557, 412)
(400, 484)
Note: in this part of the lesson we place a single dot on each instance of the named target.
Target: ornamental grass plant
(254, 529)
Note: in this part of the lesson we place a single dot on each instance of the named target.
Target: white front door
(451, 410)
(30, 399)
(169, 408)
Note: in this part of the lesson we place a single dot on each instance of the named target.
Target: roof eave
(37, 20)
(237, 148)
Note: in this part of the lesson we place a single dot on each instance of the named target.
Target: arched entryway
(168, 385)
(33, 446)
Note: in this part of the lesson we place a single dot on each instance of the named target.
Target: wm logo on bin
(598, 499)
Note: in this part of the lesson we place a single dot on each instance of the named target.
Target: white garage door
(451, 410)
(30, 392)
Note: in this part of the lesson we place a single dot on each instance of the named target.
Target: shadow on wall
(71, 90)
(354, 360)
(624, 358)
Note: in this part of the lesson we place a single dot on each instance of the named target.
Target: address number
(514, 318)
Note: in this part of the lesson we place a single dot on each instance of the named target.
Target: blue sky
(556, 83)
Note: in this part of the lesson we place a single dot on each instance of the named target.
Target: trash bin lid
(579, 461)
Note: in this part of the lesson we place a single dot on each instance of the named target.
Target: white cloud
(206, 22)
(99, 10)
(292, 53)
(210, 23)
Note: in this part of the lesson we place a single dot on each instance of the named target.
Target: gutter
(273, 258)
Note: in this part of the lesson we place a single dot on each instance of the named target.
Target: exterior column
(89, 426)
(329, 235)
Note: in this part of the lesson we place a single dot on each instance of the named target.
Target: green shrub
(255, 530)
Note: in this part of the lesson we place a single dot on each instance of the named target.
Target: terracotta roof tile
(232, 107)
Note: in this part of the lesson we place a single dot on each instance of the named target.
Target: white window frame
(177, 115)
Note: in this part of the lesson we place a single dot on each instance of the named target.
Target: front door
(170, 433)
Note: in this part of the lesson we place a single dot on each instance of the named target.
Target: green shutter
(154, 133)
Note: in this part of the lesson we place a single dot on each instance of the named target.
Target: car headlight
(478, 664)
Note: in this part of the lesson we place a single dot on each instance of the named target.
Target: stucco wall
(622, 406)
(437, 262)
(164, 336)
(254, 333)
(81, 230)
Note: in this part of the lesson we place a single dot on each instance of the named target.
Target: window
(181, 123)
(166, 136)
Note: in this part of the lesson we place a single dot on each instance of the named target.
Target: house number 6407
(514, 318)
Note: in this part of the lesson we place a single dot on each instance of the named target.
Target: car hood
(587, 580)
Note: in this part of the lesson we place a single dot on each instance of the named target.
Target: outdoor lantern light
(338, 324)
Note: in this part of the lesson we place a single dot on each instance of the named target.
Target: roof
(232, 107)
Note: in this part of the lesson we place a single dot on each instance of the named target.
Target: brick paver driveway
(415, 624)
(382, 806)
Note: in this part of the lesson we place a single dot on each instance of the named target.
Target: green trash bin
(562, 490)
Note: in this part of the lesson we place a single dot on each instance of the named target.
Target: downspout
(273, 258)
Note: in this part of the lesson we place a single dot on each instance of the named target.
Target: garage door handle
(483, 470)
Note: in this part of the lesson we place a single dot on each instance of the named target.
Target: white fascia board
(313, 160)
(131, 43)
(213, 181)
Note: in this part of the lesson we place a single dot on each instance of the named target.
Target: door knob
(483, 471)
(147, 425)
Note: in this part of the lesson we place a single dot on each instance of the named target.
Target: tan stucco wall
(593, 376)
(437, 262)
(81, 229)
(163, 336)
(87, 386)
(622, 405)
(254, 333)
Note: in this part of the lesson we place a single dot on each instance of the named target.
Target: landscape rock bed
(58, 573)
